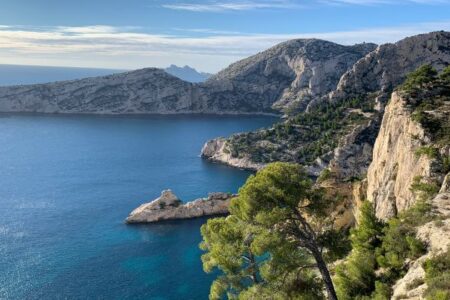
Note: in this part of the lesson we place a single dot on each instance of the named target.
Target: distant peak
(187, 73)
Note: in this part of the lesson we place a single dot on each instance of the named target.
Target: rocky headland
(169, 207)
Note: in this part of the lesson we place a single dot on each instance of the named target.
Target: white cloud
(232, 5)
(128, 48)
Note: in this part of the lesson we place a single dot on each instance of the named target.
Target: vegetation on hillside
(278, 242)
(428, 96)
(303, 137)
(437, 277)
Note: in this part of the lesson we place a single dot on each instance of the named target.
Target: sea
(67, 183)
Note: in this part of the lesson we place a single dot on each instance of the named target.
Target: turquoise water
(68, 182)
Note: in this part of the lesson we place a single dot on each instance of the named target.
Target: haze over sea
(68, 182)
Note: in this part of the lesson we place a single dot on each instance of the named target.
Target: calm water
(67, 184)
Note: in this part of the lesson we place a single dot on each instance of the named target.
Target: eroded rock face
(169, 207)
(287, 75)
(380, 71)
(395, 161)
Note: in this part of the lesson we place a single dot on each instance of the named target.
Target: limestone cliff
(169, 207)
(395, 163)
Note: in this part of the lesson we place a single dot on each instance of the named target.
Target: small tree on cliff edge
(274, 229)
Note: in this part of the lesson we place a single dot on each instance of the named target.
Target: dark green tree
(418, 78)
(272, 239)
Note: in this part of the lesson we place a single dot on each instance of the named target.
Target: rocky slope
(294, 71)
(169, 207)
(370, 81)
(285, 77)
(411, 163)
(141, 91)
(380, 71)
(437, 236)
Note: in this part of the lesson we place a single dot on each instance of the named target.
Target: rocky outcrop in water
(216, 150)
(169, 207)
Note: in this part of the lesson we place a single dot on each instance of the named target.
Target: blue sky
(208, 34)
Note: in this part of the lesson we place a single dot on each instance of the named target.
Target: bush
(429, 151)
(417, 79)
(445, 75)
(324, 175)
(426, 190)
(437, 277)
(399, 241)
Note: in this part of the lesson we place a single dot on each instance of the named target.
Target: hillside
(339, 129)
(286, 76)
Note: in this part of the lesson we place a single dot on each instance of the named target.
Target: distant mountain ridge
(287, 77)
(187, 73)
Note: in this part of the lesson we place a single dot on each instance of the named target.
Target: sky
(205, 34)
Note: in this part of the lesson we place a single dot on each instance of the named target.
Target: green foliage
(367, 236)
(424, 189)
(445, 75)
(355, 278)
(305, 136)
(445, 164)
(376, 245)
(264, 248)
(399, 241)
(417, 79)
(324, 175)
(437, 277)
(429, 151)
(336, 242)
(425, 93)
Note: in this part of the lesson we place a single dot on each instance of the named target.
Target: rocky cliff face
(169, 207)
(380, 71)
(288, 73)
(395, 163)
(284, 77)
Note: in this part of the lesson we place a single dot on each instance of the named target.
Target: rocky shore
(169, 207)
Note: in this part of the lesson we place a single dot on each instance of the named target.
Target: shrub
(445, 75)
(426, 190)
(437, 277)
(417, 79)
(429, 151)
(324, 175)
(399, 241)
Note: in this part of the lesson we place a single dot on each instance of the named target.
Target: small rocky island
(169, 207)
